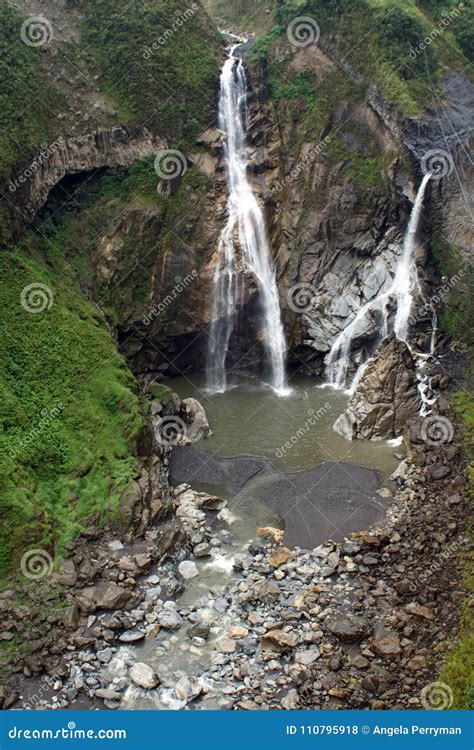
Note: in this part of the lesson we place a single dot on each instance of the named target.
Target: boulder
(194, 417)
(279, 556)
(278, 640)
(143, 676)
(114, 597)
(387, 644)
(385, 398)
(188, 569)
(350, 630)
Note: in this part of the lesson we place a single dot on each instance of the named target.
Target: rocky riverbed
(179, 619)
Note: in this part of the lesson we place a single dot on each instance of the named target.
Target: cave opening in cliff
(68, 194)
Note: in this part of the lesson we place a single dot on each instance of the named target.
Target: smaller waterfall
(403, 288)
(245, 218)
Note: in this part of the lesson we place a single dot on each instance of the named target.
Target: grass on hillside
(158, 64)
(69, 412)
(384, 41)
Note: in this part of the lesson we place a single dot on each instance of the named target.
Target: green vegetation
(456, 292)
(385, 42)
(458, 671)
(69, 411)
(158, 63)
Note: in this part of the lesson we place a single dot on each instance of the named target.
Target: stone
(114, 597)
(188, 569)
(272, 533)
(307, 657)
(278, 640)
(67, 574)
(225, 645)
(202, 550)
(238, 632)
(437, 471)
(350, 630)
(387, 644)
(279, 556)
(199, 630)
(143, 676)
(132, 636)
(107, 694)
(194, 417)
(386, 396)
(72, 617)
(170, 619)
(413, 608)
(87, 599)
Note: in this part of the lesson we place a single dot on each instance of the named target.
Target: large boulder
(386, 396)
(194, 417)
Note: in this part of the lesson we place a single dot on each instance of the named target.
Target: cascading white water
(245, 215)
(403, 288)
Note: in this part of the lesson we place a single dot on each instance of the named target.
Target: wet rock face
(385, 398)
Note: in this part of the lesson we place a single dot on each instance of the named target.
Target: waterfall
(245, 217)
(403, 288)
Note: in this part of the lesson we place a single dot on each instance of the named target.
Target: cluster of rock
(362, 623)
(386, 396)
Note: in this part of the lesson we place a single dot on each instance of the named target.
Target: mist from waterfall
(245, 218)
(403, 288)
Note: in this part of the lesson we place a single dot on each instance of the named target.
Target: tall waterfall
(246, 217)
(403, 288)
